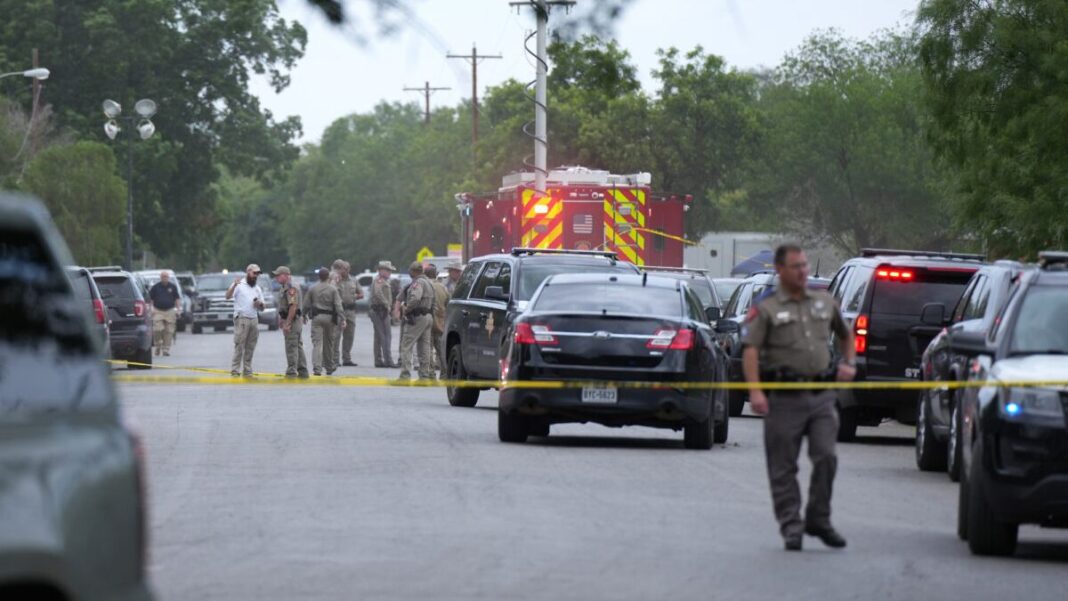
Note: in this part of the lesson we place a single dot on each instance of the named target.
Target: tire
(142, 356)
(722, 430)
(962, 509)
(986, 534)
(459, 397)
(953, 451)
(736, 402)
(539, 429)
(930, 454)
(847, 424)
(180, 327)
(512, 427)
(698, 435)
(197, 329)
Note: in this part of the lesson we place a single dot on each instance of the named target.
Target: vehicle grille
(220, 304)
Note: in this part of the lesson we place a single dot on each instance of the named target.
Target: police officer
(322, 305)
(351, 292)
(437, 329)
(381, 306)
(454, 269)
(289, 320)
(418, 319)
(787, 339)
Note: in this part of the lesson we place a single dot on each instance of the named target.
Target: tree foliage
(998, 91)
(79, 185)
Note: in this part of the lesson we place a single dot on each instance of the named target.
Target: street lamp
(39, 73)
(144, 108)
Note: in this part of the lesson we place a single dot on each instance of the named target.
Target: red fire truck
(581, 209)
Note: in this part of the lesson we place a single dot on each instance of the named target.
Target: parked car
(1014, 443)
(129, 312)
(72, 500)
(188, 283)
(364, 279)
(89, 295)
(269, 316)
(151, 277)
(883, 294)
(937, 415)
(213, 310)
(698, 281)
(485, 302)
(604, 328)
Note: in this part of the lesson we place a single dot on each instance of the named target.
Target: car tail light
(895, 274)
(139, 308)
(672, 340)
(860, 334)
(99, 310)
(526, 333)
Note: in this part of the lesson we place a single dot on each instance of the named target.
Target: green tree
(998, 91)
(80, 187)
(845, 157)
(194, 58)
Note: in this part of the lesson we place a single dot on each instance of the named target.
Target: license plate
(599, 394)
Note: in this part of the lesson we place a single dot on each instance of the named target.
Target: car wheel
(142, 356)
(847, 424)
(722, 430)
(736, 402)
(538, 429)
(459, 397)
(197, 329)
(953, 452)
(512, 427)
(698, 435)
(962, 509)
(986, 534)
(930, 455)
(180, 327)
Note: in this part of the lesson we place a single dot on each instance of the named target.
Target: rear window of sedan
(533, 274)
(609, 298)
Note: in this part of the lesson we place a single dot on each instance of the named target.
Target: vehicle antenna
(818, 266)
(645, 276)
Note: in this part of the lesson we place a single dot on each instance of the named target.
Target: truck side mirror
(728, 326)
(933, 314)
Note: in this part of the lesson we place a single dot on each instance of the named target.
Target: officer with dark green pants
(787, 338)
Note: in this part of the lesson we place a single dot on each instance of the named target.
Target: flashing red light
(99, 310)
(860, 334)
(860, 344)
(895, 275)
(534, 334)
(139, 308)
(671, 340)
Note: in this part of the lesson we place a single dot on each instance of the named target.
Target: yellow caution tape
(664, 235)
(207, 370)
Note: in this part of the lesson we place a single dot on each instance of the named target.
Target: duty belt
(417, 312)
(316, 312)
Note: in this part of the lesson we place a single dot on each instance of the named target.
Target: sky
(340, 75)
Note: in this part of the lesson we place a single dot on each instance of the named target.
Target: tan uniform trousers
(164, 322)
(246, 334)
(324, 345)
(296, 360)
(793, 416)
(416, 334)
(347, 336)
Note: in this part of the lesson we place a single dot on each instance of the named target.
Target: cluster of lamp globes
(144, 107)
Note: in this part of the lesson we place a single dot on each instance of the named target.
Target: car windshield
(609, 298)
(210, 283)
(48, 360)
(1040, 327)
(535, 273)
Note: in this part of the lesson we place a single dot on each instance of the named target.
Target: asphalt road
(319, 492)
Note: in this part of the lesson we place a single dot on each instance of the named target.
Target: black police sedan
(1014, 443)
(604, 329)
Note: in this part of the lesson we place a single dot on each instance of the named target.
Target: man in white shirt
(248, 300)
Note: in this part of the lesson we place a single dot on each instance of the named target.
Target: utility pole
(541, 121)
(474, 59)
(427, 91)
(36, 88)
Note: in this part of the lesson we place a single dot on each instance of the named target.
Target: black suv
(883, 294)
(492, 290)
(130, 314)
(937, 418)
(89, 295)
(1014, 435)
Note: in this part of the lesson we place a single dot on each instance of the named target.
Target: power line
(426, 91)
(473, 60)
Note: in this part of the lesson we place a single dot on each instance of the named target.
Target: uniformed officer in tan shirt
(787, 338)
(322, 305)
(350, 292)
(289, 319)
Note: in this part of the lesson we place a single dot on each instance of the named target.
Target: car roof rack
(877, 252)
(520, 250)
(674, 269)
(1053, 259)
(106, 268)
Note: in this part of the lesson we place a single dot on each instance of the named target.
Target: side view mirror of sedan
(712, 314)
(969, 343)
(728, 326)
